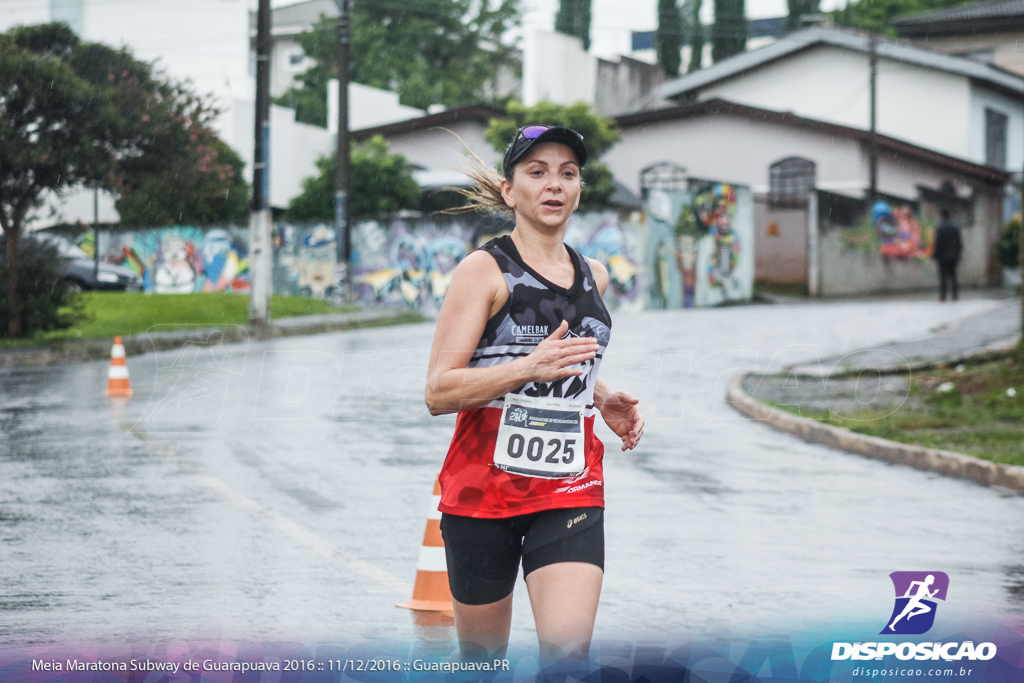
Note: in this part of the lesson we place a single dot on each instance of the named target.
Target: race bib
(541, 437)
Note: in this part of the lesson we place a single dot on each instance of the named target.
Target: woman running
(516, 352)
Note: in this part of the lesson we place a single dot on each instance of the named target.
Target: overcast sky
(612, 21)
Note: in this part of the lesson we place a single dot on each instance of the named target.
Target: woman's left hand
(621, 412)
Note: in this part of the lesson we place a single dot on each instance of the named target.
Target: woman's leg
(483, 629)
(483, 562)
(564, 597)
(563, 561)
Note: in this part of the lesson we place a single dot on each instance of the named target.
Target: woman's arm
(619, 409)
(621, 412)
(476, 292)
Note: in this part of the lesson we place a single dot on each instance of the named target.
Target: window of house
(995, 138)
(791, 179)
(296, 60)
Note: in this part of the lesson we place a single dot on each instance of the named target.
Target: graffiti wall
(699, 245)
(884, 248)
(409, 263)
(894, 232)
(692, 251)
(180, 260)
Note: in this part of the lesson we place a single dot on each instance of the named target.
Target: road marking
(297, 532)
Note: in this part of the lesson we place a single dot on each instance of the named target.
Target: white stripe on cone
(118, 372)
(117, 351)
(432, 559)
(433, 512)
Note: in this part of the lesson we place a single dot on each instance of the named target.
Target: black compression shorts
(483, 554)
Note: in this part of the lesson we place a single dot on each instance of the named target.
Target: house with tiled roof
(957, 106)
(991, 31)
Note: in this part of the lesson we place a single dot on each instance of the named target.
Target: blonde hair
(485, 195)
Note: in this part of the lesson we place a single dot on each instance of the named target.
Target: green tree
(669, 36)
(599, 133)
(203, 186)
(730, 29)
(798, 9)
(1007, 247)
(429, 51)
(877, 15)
(573, 19)
(42, 289)
(696, 37)
(381, 183)
(79, 114)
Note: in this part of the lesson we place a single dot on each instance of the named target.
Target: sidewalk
(991, 331)
(835, 384)
(68, 351)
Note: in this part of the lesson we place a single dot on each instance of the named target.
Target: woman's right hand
(554, 357)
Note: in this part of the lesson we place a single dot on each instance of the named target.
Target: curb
(137, 344)
(990, 352)
(948, 463)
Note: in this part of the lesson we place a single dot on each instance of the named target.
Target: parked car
(80, 272)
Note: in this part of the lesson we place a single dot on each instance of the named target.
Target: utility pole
(95, 235)
(342, 226)
(873, 141)
(260, 257)
(1020, 266)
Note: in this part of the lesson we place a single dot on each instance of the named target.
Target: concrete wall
(830, 83)
(853, 262)
(367, 107)
(557, 69)
(626, 86)
(846, 272)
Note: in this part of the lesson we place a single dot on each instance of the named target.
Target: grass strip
(109, 314)
(975, 409)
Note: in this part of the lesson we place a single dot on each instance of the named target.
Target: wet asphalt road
(278, 491)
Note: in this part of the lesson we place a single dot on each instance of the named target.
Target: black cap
(523, 141)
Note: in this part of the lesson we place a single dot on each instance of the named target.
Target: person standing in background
(949, 245)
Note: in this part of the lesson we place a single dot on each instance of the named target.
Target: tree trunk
(13, 300)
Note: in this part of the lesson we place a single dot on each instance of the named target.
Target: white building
(208, 43)
(957, 106)
(212, 53)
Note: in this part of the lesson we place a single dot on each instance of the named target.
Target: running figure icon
(916, 596)
(914, 605)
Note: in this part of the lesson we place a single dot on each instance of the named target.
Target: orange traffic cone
(117, 377)
(431, 592)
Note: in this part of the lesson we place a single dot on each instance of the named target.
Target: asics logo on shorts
(576, 520)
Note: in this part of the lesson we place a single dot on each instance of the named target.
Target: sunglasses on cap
(528, 136)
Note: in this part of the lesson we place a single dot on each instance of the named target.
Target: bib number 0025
(541, 437)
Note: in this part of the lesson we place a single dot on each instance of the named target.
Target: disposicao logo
(913, 613)
(916, 595)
